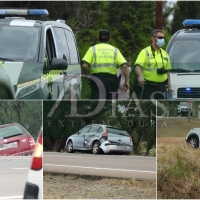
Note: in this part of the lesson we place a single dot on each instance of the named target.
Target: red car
(34, 184)
(15, 140)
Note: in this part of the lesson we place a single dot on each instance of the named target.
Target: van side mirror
(58, 64)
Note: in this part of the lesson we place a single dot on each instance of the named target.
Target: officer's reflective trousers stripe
(95, 65)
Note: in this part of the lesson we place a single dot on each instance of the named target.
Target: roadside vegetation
(68, 186)
(178, 167)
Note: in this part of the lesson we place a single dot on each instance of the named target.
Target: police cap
(104, 34)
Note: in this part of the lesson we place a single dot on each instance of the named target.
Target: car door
(66, 49)
(80, 137)
(90, 135)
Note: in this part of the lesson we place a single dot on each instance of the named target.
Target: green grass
(178, 173)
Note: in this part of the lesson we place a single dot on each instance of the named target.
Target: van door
(54, 77)
(67, 49)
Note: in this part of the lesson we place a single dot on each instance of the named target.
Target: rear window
(183, 104)
(10, 131)
(117, 131)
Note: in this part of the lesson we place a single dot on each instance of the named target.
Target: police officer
(101, 61)
(152, 67)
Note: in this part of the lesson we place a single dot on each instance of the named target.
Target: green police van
(40, 57)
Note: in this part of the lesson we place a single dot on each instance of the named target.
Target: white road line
(12, 197)
(20, 168)
(15, 158)
(65, 156)
(125, 170)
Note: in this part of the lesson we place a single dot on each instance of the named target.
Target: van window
(61, 43)
(72, 46)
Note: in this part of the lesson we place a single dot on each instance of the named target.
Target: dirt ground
(68, 186)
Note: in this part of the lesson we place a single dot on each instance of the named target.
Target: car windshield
(184, 55)
(10, 131)
(18, 43)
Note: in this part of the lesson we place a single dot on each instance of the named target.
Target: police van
(40, 57)
(183, 49)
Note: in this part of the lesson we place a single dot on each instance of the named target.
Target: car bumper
(108, 147)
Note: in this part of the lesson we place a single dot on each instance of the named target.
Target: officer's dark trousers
(152, 91)
(109, 85)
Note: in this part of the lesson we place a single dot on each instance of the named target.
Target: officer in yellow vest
(101, 62)
(152, 67)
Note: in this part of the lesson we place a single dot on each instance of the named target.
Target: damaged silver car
(98, 137)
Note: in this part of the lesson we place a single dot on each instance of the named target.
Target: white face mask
(160, 42)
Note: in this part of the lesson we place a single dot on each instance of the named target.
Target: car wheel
(95, 147)
(193, 142)
(70, 147)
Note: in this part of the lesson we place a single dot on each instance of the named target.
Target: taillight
(37, 155)
(31, 142)
(105, 135)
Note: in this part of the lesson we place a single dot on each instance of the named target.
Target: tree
(26, 113)
(184, 10)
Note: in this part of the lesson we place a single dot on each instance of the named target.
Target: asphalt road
(138, 167)
(13, 176)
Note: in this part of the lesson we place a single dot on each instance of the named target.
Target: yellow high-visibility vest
(150, 62)
(103, 58)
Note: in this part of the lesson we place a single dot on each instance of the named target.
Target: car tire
(70, 147)
(193, 142)
(95, 147)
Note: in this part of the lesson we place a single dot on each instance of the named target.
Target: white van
(183, 49)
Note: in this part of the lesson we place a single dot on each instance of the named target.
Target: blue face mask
(160, 42)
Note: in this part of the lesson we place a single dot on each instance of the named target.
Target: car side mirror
(58, 64)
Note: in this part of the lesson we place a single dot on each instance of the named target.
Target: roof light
(37, 12)
(191, 23)
(187, 89)
(28, 12)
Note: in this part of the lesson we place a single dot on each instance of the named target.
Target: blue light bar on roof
(27, 12)
(191, 23)
(37, 12)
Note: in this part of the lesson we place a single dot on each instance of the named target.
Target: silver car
(97, 137)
